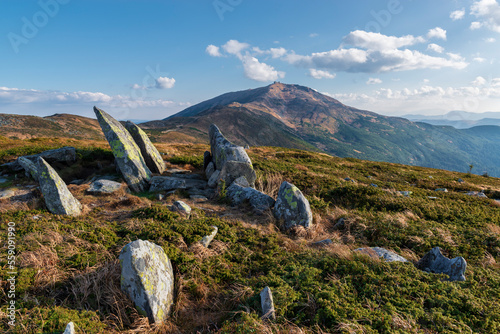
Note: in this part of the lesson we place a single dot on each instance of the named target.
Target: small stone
(212, 182)
(160, 197)
(70, 328)
(477, 194)
(147, 278)
(104, 186)
(182, 208)
(166, 183)
(149, 152)
(292, 207)
(373, 185)
(325, 242)
(340, 224)
(198, 198)
(435, 262)
(8, 193)
(209, 170)
(178, 171)
(376, 252)
(444, 190)
(432, 197)
(348, 179)
(460, 181)
(267, 304)
(431, 177)
(405, 193)
(208, 238)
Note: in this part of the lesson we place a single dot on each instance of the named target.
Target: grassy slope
(69, 271)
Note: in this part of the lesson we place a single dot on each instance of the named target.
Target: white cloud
(435, 48)
(479, 59)
(277, 52)
(373, 81)
(165, 83)
(488, 12)
(138, 87)
(458, 14)
(258, 71)
(475, 25)
(319, 74)
(490, 40)
(479, 81)
(313, 35)
(213, 50)
(377, 41)
(234, 47)
(437, 33)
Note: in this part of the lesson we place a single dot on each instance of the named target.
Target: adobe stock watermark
(383, 17)
(30, 27)
(11, 273)
(223, 6)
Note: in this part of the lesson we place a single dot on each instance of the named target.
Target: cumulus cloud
(377, 41)
(490, 40)
(313, 35)
(319, 74)
(213, 51)
(165, 83)
(437, 33)
(479, 59)
(373, 81)
(435, 48)
(479, 81)
(488, 14)
(258, 71)
(457, 14)
(234, 47)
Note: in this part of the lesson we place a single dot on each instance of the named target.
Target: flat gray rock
(166, 183)
(58, 198)
(435, 262)
(267, 304)
(206, 240)
(292, 207)
(104, 186)
(259, 201)
(30, 168)
(127, 154)
(147, 278)
(150, 153)
(63, 154)
(376, 252)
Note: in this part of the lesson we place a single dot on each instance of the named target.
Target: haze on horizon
(149, 60)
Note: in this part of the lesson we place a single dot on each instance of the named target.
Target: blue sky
(149, 59)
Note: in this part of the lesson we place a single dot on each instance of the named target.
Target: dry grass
(495, 229)
(269, 183)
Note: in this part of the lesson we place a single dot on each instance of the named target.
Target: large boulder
(147, 278)
(29, 167)
(435, 262)
(55, 192)
(63, 154)
(233, 170)
(127, 154)
(149, 152)
(378, 252)
(292, 207)
(259, 201)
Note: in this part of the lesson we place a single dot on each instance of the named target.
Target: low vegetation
(68, 268)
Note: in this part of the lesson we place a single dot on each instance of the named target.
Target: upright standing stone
(55, 192)
(267, 304)
(148, 279)
(435, 262)
(292, 207)
(126, 152)
(206, 240)
(29, 167)
(151, 155)
(70, 328)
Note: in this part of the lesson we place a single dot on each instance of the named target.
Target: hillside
(459, 119)
(294, 116)
(68, 267)
(58, 125)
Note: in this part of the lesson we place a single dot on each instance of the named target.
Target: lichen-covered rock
(104, 186)
(435, 262)
(63, 154)
(127, 154)
(378, 252)
(223, 150)
(149, 152)
(29, 167)
(182, 208)
(206, 240)
(259, 201)
(214, 178)
(55, 192)
(209, 170)
(147, 278)
(70, 328)
(233, 170)
(292, 207)
(242, 181)
(267, 304)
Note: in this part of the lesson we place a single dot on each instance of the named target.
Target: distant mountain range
(295, 116)
(300, 117)
(459, 119)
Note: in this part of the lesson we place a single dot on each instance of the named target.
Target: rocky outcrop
(149, 152)
(378, 252)
(292, 207)
(435, 262)
(267, 304)
(206, 240)
(29, 167)
(223, 151)
(127, 154)
(104, 186)
(63, 154)
(259, 201)
(55, 192)
(147, 278)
